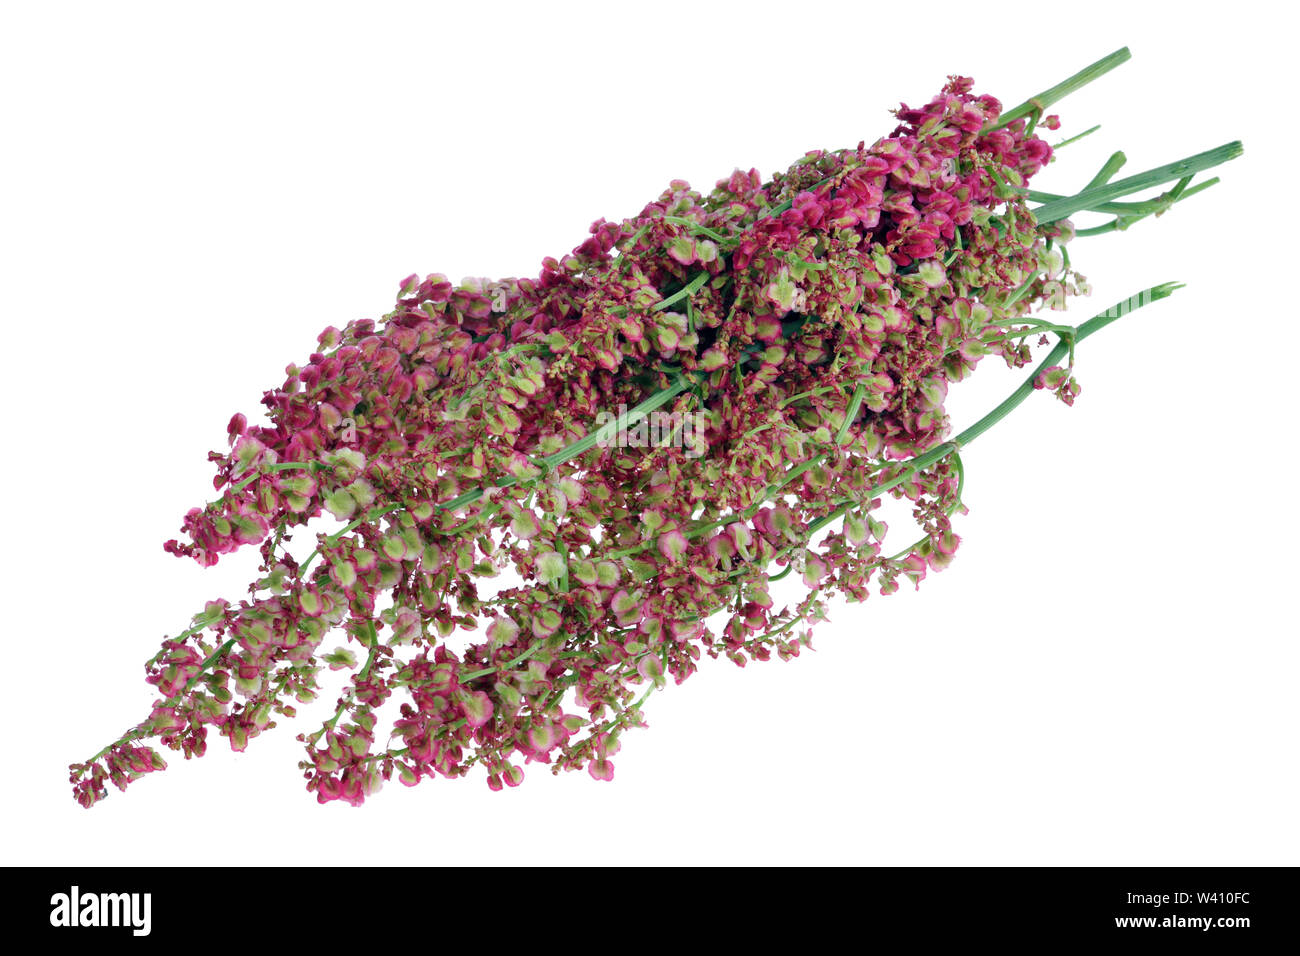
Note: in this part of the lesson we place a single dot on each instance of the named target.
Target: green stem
(137, 731)
(850, 413)
(509, 664)
(1090, 198)
(689, 289)
(278, 466)
(696, 227)
(1156, 204)
(957, 503)
(809, 394)
(1017, 333)
(369, 516)
(372, 643)
(586, 443)
(1036, 105)
(1120, 223)
(1108, 170)
(1075, 139)
(1020, 292)
(634, 415)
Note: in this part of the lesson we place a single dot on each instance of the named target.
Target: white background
(1106, 674)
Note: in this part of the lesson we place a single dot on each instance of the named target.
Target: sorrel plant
(809, 325)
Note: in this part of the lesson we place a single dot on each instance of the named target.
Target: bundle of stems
(697, 401)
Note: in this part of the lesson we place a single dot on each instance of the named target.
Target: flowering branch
(717, 384)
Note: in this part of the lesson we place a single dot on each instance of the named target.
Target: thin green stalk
(957, 503)
(689, 289)
(1108, 170)
(138, 730)
(372, 643)
(855, 403)
(956, 249)
(1075, 139)
(278, 466)
(1120, 223)
(1037, 105)
(1146, 206)
(1019, 333)
(1170, 172)
(506, 666)
(696, 228)
(809, 394)
(586, 443)
(634, 415)
(1024, 288)
(369, 516)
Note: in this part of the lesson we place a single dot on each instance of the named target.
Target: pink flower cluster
(815, 321)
